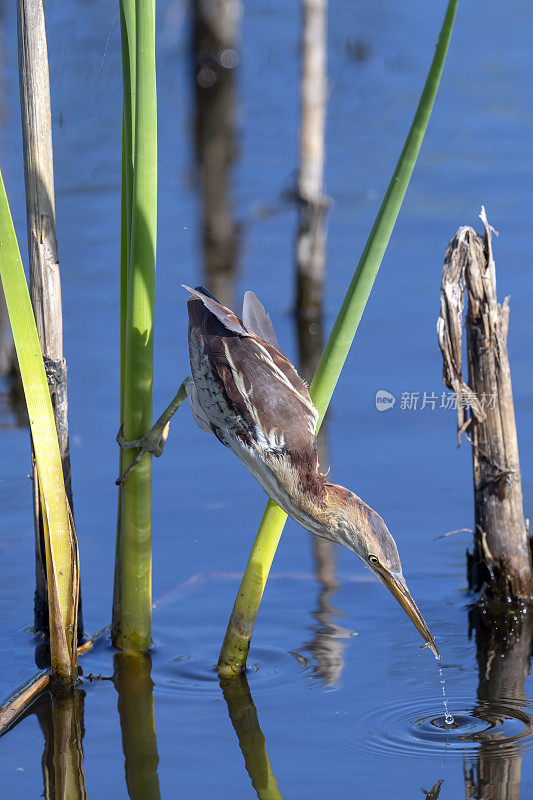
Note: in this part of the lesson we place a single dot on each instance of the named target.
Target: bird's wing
(224, 315)
(268, 394)
(256, 320)
(255, 380)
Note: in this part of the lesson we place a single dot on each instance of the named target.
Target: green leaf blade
(235, 648)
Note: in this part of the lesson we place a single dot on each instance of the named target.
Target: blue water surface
(359, 730)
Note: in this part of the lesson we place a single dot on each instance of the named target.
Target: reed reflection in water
(503, 645)
(215, 58)
(60, 714)
(243, 716)
(134, 685)
(329, 638)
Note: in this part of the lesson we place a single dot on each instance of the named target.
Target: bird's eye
(373, 559)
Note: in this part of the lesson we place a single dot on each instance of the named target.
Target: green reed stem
(128, 40)
(131, 626)
(236, 643)
(128, 43)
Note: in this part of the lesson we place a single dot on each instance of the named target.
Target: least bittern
(246, 392)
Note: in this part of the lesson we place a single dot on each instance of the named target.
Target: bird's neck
(334, 512)
(321, 507)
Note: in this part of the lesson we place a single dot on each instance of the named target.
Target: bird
(247, 393)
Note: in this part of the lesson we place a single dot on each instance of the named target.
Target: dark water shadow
(243, 716)
(134, 685)
(214, 61)
(503, 648)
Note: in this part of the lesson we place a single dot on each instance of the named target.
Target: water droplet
(448, 718)
(206, 77)
(229, 58)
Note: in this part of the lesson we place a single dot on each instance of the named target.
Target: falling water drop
(448, 718)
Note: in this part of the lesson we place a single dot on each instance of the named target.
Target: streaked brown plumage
(246, 392)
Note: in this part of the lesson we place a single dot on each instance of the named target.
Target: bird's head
(361, 529)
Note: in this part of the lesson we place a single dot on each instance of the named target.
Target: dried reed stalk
(501, 561)
(45, 282)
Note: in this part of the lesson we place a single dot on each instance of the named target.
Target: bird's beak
(398, 587)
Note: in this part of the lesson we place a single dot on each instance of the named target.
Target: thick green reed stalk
(127, 37)
(132, 600)
(236, 643)
(128, 40)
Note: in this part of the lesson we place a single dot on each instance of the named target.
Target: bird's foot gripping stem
(154, 441)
